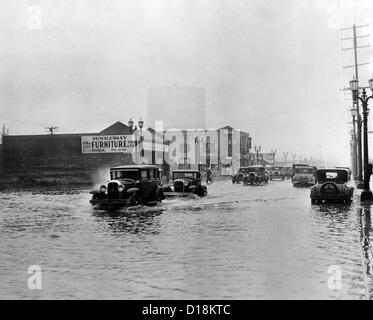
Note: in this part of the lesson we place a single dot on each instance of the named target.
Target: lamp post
(273, 156)
(141, 124)
(285, 157)
(257, 150)
(359, 149)
(354, 144)
(130, 124)
(294, 156)
(366, 194)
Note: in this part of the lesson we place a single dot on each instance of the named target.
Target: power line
(51, 129)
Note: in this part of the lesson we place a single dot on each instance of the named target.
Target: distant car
(331, 186)
(269, 171)
(278, 173)
(256, 175)
(238, 177)
(130, 186)
(185, 182)
(303, 175)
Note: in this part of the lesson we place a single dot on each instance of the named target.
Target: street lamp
(354, 86)
(257, 150)
(366, 194)
(141, 124)
(130, 124)
(285, 156)
(273, 155)
(354, 144)
(294, 158)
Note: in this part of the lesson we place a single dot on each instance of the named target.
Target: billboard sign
(108, 144)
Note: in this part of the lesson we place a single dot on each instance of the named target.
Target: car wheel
(135, 199)
(160, 196)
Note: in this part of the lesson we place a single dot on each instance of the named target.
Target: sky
(271, 68)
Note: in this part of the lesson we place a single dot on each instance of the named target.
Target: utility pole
(353, 144)
(359, 161)
(4, 132)
(51, 129)
(294, 156)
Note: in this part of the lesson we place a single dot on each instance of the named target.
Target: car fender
(313, 190)
(133, 190)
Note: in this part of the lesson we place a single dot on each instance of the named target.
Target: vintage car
(331, 186)
(277, 173)
(184, 183)
(303, 175)
(130, 185)
(256, 175)
(269, 171)
(238, 177)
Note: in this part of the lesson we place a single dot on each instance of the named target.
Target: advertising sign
(108, 144)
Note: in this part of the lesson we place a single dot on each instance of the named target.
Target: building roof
(333, 169)
(135, 166)
(116, 128)
(228, 127)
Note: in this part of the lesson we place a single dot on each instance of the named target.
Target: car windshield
(243, 170)
(338, 176)
(256, 169)
(277, 168)
(133, 174)
(178, 175)
(303, 170)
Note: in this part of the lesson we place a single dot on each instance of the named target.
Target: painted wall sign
(108, 144)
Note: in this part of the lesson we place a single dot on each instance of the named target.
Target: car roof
(332, 169)
(187, 170)
(140, 166)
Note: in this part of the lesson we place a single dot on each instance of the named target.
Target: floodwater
(239, 242)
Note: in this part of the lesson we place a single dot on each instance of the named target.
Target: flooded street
(239, 242)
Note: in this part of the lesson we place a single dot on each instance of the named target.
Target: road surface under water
(239, 242)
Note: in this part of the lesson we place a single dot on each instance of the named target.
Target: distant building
(178, 107)
(224, 149)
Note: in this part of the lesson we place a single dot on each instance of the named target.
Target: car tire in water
(135, 199)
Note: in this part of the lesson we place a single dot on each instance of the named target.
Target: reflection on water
(238, 242)
(365, 225)
(140, 221)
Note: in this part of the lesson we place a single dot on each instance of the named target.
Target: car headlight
(185, 183)
(120, 188)
(103, 189)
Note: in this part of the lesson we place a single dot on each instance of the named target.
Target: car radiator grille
(179, 186)
(113, 190)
